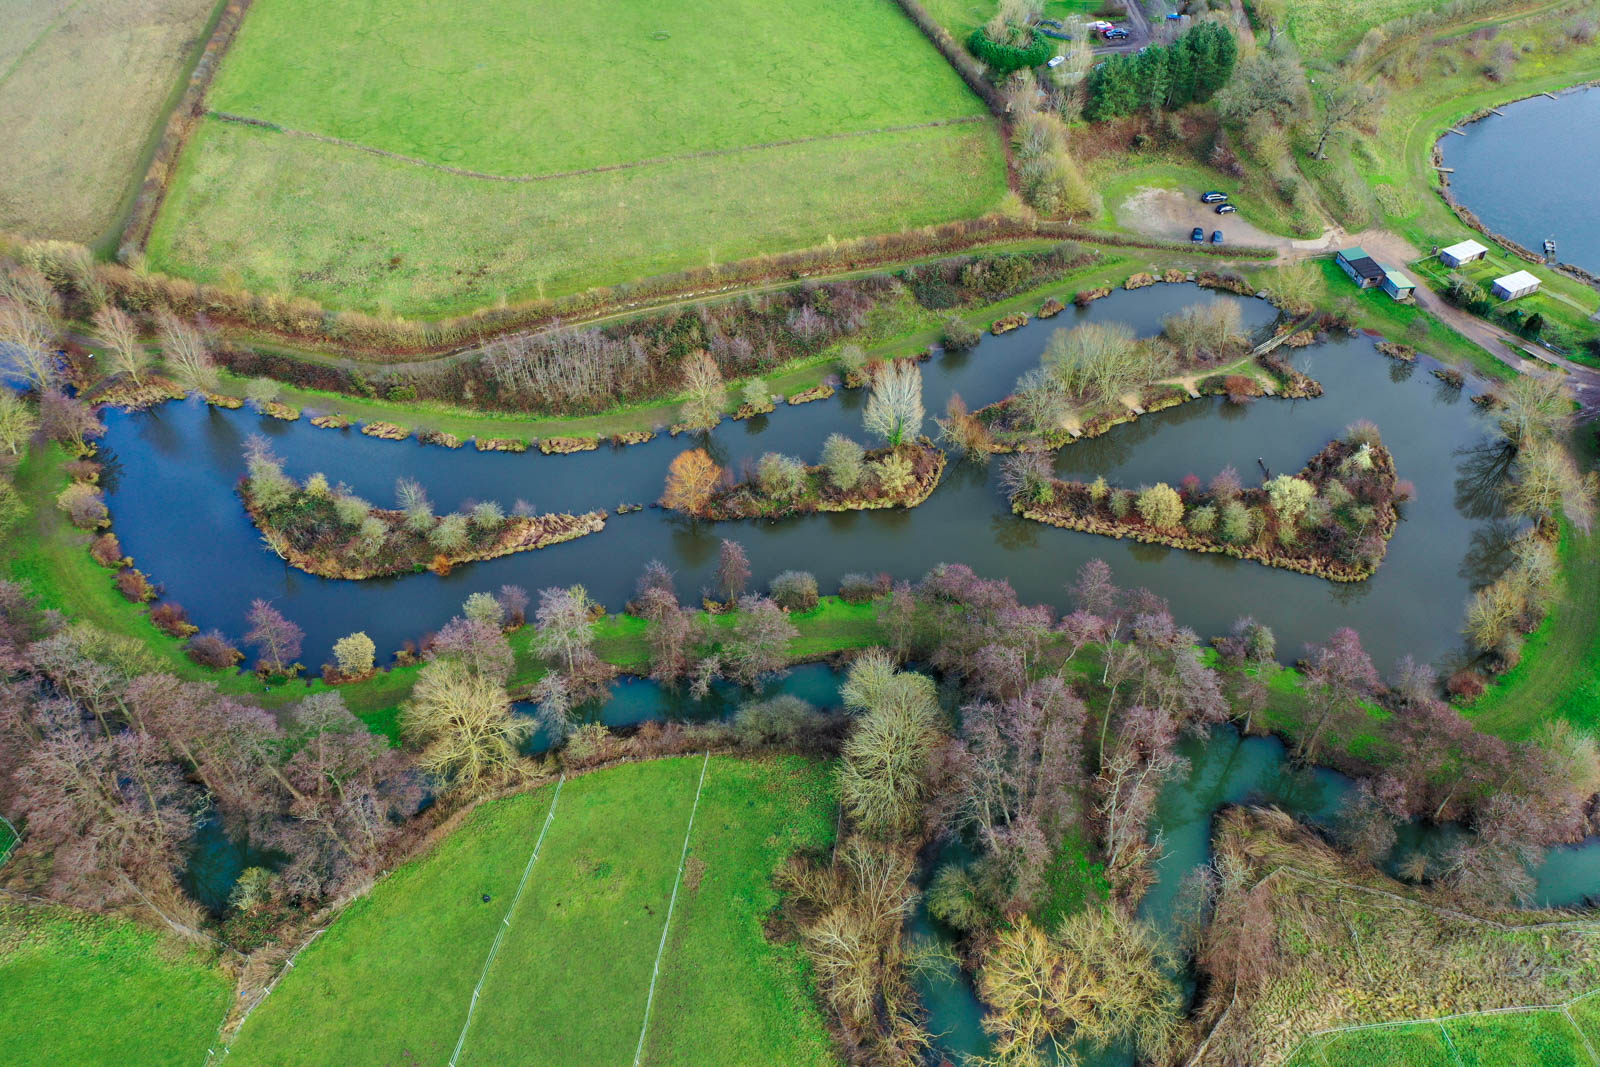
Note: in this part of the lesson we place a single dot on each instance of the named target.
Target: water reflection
(176, 512)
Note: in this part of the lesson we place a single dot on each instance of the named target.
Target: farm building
(1398, 285)
(1518, 283)
(1362, 268)
(1464, 252)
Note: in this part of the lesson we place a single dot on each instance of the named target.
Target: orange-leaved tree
(691, 479)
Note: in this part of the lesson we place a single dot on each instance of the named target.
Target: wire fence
(1318, 1041)
(655, 972)
(505, 923)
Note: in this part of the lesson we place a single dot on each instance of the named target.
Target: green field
(84, 989)
(1535, 1038)
(391, 979)
(524, 151)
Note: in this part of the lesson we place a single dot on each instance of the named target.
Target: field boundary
(524, 179)
(505, 923)
(666, 926)
(1439, 1021)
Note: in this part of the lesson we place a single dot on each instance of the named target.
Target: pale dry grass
(1352, 948)
(82, 86)
(280, 213)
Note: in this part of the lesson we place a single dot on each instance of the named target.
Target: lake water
(1534, 173)
(171, 476)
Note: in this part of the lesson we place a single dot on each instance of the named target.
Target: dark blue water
(1534, 173)
(173, 471)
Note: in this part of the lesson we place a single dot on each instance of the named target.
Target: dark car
(1216, 237)
(1116, 33)
(1213, 197)
(1226, 209)
(1198, 234)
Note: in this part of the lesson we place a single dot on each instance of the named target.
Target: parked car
(1216, 237)
(1213, 197)
(1226, 209)
(1099, 26)
(1198, 235)
(1116, 33)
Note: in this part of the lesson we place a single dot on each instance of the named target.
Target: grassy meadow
(510, 89)
(1328, 29)
(86, 989)
(643, 140)
(82, 90)
(391, 979)
(283, 213)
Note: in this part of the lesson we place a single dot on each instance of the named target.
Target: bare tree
(27, 341)
(1344, 104)
(894, 411)
(116, 330)
(188, 359)
(464, 723)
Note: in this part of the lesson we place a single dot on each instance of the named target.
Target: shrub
(1160, 506)
(211, 649)
(450, 534)
(1236, 525)
(894, 473)
(1003, 58)
(351, 510)
(1466, 685)
(843, 459)
(484, 608)
(172, 620)
(488, 515)
(135, 586)
(355, 654)
(780, 477)
(860, 588)
(85, 507)
(1202, 520)
(755, 394)
(959, 334)
(794, 590)
(107, 550)
(783, 720)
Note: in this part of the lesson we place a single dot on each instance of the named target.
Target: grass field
(1328, 29)
(391, 979)
(83, 84)
(83, 989)
(546, 97)
(288, 214)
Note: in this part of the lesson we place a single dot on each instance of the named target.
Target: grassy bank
(90, 989)
(392, 977)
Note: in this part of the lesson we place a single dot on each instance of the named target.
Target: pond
(1529, 173)
(171, 475)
